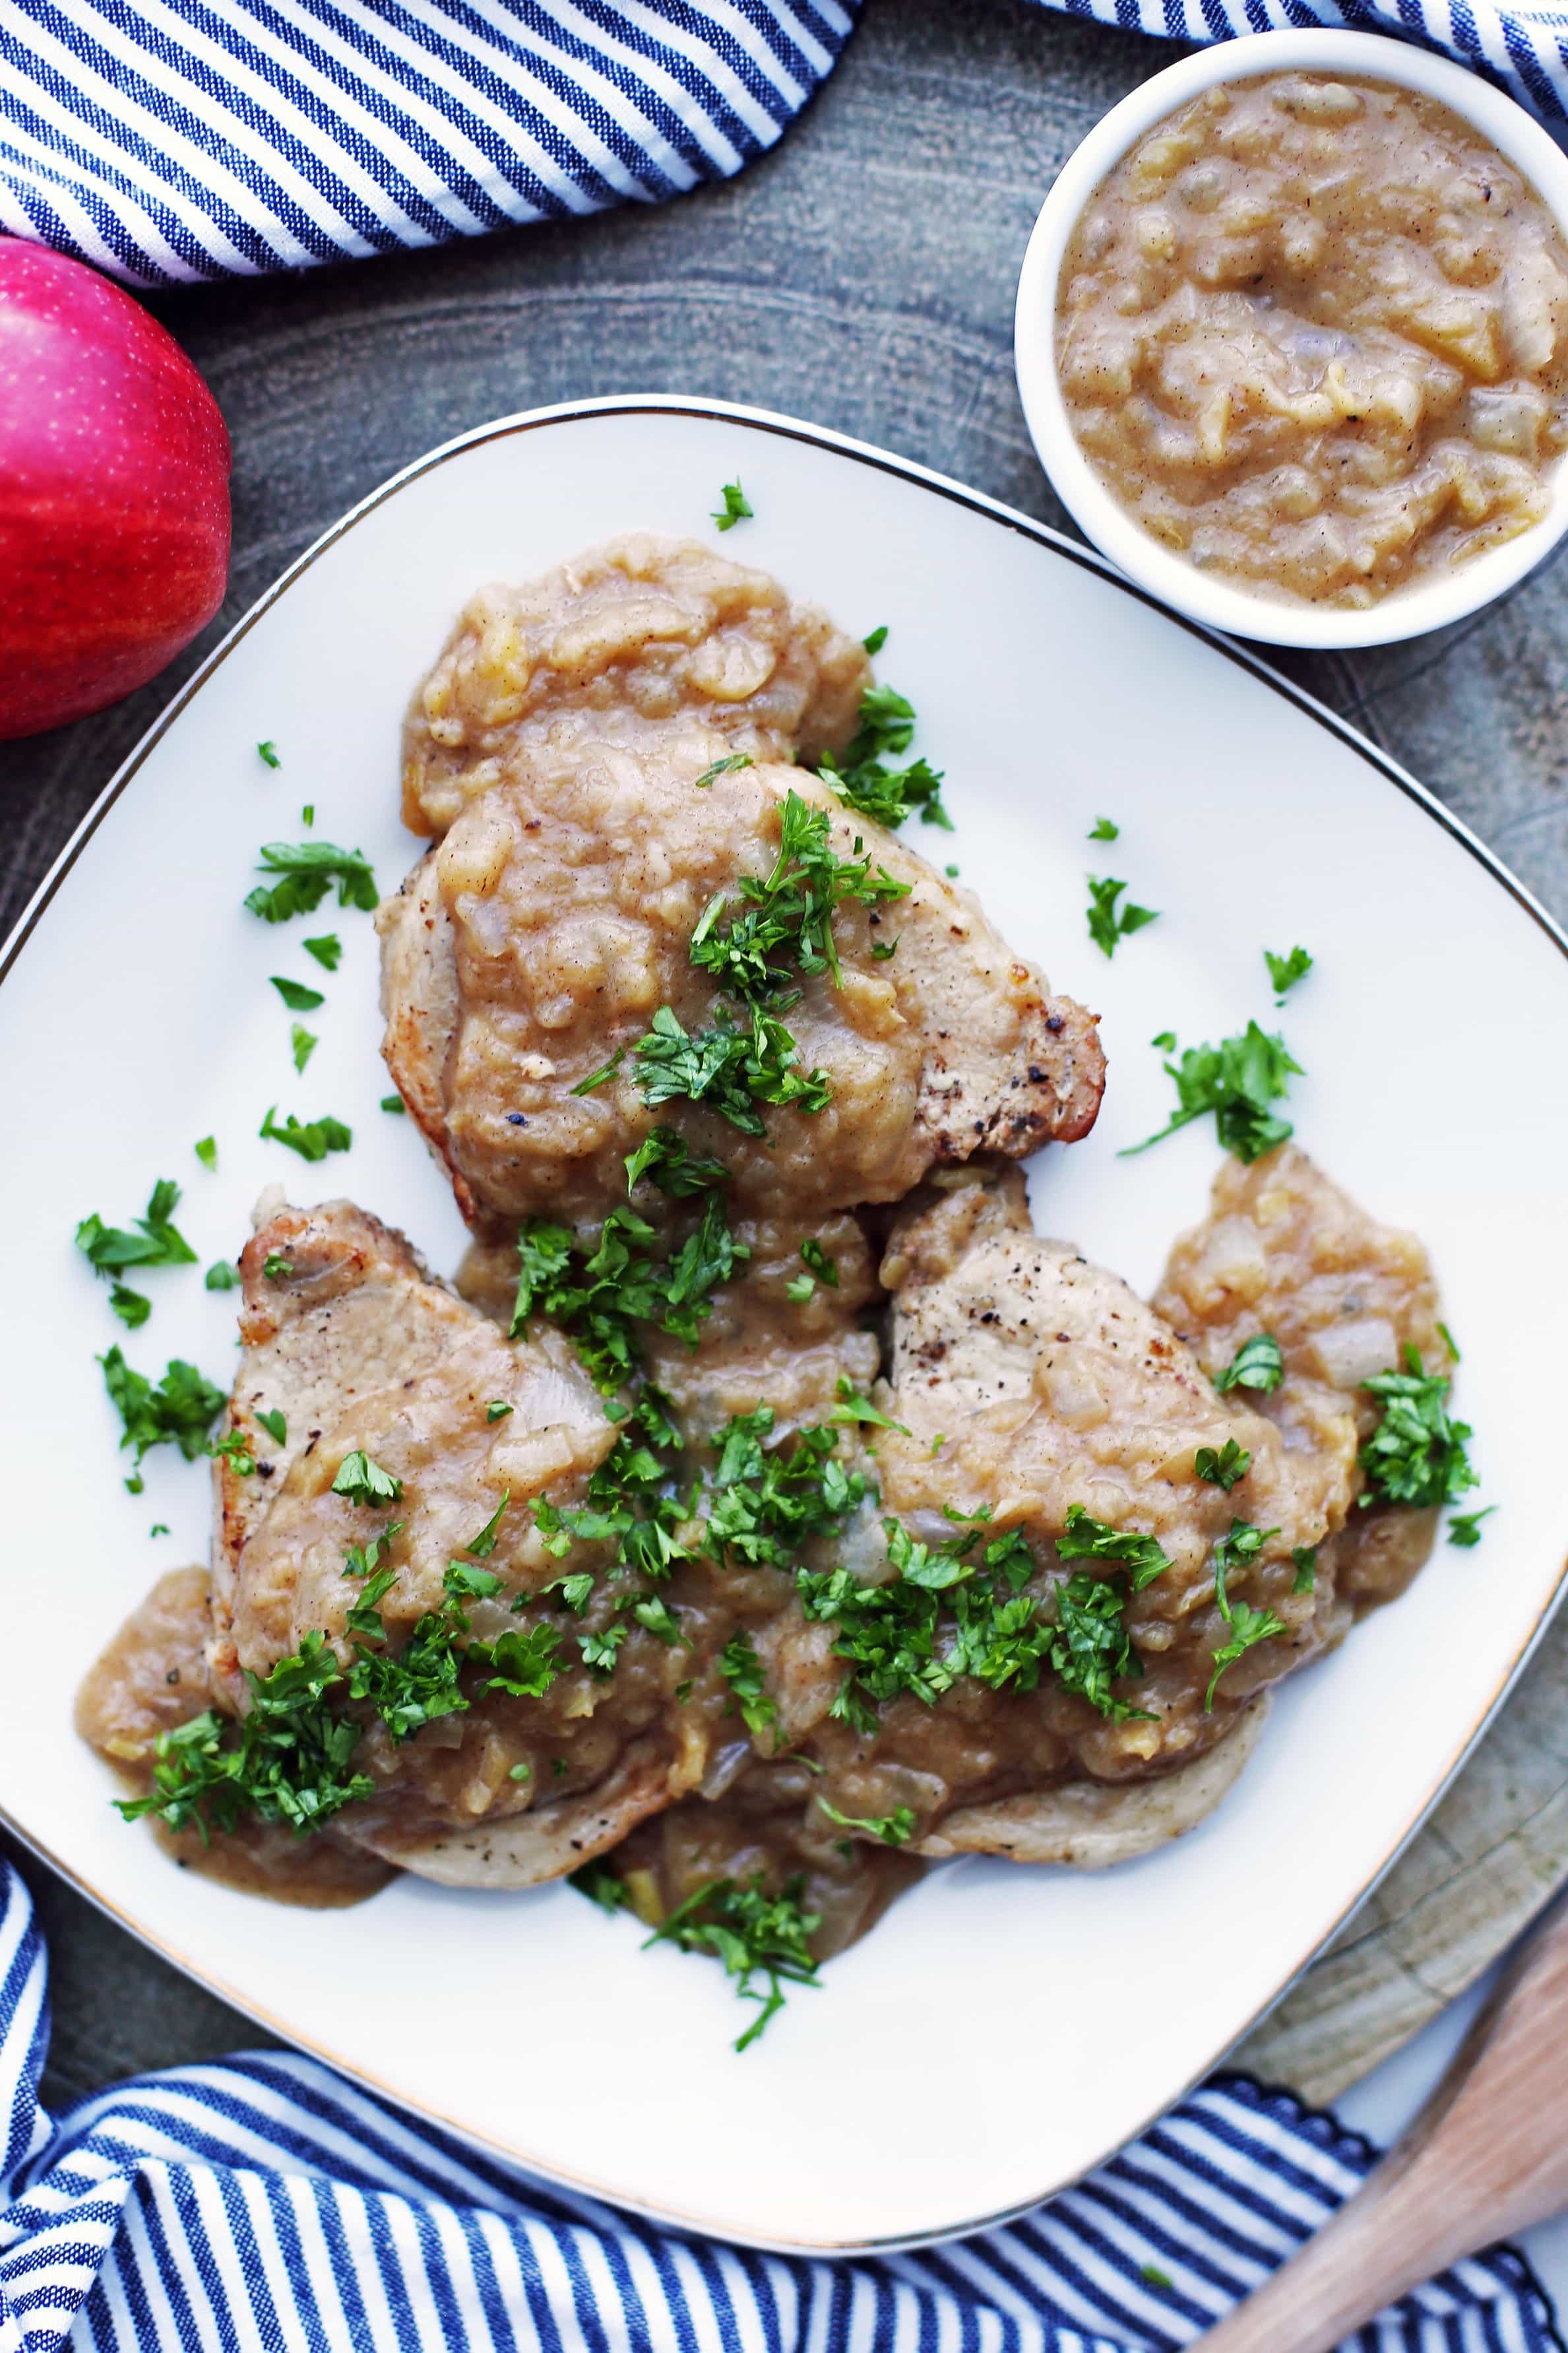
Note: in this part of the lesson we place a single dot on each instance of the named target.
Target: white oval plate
(1003, 2029)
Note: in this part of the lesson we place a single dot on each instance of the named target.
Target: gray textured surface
(861, 276)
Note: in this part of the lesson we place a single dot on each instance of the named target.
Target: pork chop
(537, 943)
(1285, 1251)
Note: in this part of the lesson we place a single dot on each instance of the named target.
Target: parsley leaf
(179, 1411)
(1287, 970)
(722, 768)
(497, 1410)
(155, 1242)
(864, 781)
(1237, 1080)
(1306, 1559)
(363, 1481)
(1086, 1538)
(308, 871)
(735, 507)
(132, 1307)
(1465, 1527)
(327, 950)
(663, 1156)
(1247, 1626)
(1103, 830)
(206, 1151)
(853, 1406)
(894, 1829)
(311, 1139)
(1415, 1455)
(296, 997)
(1107, 922)
(875, 639)
(393, 1103)
(742, 1671)
(822, 1265)
(597, 1078)
(275, 1424)
(754, 1934)
(222, 1275)
(1224, 1469)
(1258, 1364)
(303, 1044)
(268, 753)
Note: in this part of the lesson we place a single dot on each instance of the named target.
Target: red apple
(113, 492)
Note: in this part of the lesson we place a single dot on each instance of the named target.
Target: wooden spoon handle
(1487, 2156)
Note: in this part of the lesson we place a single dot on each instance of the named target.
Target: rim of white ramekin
(1406, 613)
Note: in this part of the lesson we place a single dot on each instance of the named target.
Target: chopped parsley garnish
(1103, 830)
(1224, 1469)
(132, 1307)
(1237, 1080)
(597, 1078)
(735, 507)
(307, 869)
(883, 951)
(663, 1156)
(1465, 1527)
(753, 949)
(275, 1267)
(730, 1069)
(159, 1528)
(894, 1829)
(296, 997)
(275, 1424)
(311, 1139)
(233, 1449)
(268, 753)
(1085, 1538)
(307, 814)
(863, 779)
(1306, 1559)
(1165, 1039)
(303, 1044)
(326, 950)
(876, 640)
(497, 1410)
(1108, 923)
(1415, 1455)
(723, 767)
(363, 1481)
(742, 1671)
(600, 1885)
(1247, 1626)
(799, 1288)
(1449, 1343)
(1258, 1364)
(206, 1151)
(945, 1615)
(822, 1265)
(754, 1934)
(852, 1407)
(286, 1760)
(222, 1275)
(393, 1103)
(178, 1412)
(155, 1242)
(1284, 971)
(784, 924)
(599, 1299)
(1154, 2276)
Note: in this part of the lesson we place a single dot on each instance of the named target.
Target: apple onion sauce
(1311, 335)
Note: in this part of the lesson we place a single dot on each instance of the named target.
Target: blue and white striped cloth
(265, 2203)
(168, 139)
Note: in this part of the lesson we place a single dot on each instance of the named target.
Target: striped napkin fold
(170, 140)
(265, 2202)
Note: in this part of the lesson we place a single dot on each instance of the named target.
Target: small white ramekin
(1406, 612)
